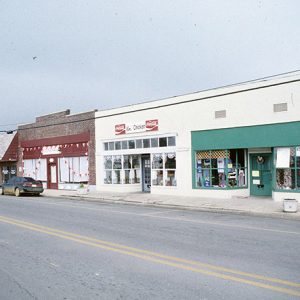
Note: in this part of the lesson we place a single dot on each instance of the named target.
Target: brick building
(59, 149)
(8, 156)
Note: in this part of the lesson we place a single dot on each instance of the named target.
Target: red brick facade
(59, 128)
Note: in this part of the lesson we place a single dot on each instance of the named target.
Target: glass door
(146, 173)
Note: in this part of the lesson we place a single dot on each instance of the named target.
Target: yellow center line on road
(161, 258)
(181, 219)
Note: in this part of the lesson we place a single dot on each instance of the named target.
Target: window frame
(295, 169)
(226, 169)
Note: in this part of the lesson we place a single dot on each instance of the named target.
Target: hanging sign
(149, 125)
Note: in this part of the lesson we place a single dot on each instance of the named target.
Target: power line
(170, 104)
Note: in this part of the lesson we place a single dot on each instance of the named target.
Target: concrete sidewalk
(249, 205)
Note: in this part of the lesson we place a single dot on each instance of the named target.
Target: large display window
(221, 168)
(122, 169)
(35, 168)
(73, 169)
(287, 166)
(164, 169)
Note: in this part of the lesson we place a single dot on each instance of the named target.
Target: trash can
(290, 205)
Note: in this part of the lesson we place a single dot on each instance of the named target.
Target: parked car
(22, 185)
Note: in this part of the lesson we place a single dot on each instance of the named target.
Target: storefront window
(72, 169)
(117, 177)
(157, 177)
(164, 169)
(135, 162)
(117, 162)
(122, 169)
(127, 162)
(136, 172)
(107, 169)
(157, 161)
(136, 176)
(107, 162)
(35, 168)
(127, 177)
(221, 168)
(107, 178)
(170, 166)
(170, 160)
(170, 178)
(287, 164)
(127, 167)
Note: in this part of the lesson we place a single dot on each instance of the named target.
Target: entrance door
(261, 174)
(146, 173)
(52, 182)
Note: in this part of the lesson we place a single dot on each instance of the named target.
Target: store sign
(149, 125)
(50, 150)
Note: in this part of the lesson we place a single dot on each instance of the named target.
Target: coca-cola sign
(120, 129)
(149, 125)
(152, 125)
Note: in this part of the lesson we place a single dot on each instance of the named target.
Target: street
(55, 248)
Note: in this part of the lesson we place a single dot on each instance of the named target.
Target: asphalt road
(54, 248)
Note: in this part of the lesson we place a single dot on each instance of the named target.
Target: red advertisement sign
(120, 129)
(152, 125)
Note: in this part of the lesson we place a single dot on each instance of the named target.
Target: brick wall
(61, 124)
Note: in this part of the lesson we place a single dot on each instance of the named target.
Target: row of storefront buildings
(241, 140)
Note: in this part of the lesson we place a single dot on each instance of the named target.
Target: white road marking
(153, 215)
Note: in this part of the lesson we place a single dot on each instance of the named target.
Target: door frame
(53, 161)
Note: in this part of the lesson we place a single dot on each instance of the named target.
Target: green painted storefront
(249, 137)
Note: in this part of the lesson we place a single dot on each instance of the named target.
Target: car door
(9, 186)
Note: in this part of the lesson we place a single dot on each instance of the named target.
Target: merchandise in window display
(287, 163)
(221, 168)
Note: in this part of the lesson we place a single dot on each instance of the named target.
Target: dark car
(22, 185)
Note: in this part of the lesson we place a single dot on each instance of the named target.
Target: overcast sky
(98, 54)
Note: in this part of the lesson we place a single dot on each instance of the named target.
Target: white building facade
(242, 140)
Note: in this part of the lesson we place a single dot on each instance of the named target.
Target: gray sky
(102, 54)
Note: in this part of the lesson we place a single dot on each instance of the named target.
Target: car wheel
(17, 192)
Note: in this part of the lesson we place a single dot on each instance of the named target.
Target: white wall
(253, 107)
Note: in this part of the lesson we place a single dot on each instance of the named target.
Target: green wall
(271, 135)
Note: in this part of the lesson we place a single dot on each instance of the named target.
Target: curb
(277, 215)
